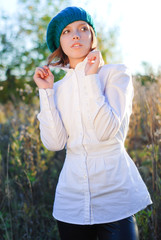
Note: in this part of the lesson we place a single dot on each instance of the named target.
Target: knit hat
(61, 20)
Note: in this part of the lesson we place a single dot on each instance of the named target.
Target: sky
(138, 23)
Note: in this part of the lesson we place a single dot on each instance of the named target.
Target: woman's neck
(73, 62)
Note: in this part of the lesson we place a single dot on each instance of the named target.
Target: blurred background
(128, 32)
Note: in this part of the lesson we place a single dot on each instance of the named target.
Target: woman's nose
(76, 36)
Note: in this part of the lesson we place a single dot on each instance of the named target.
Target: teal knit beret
(61, 20)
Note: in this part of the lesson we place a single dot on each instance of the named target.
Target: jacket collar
(79, 66)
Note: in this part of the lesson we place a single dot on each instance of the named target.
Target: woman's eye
(66, 31)
(84, 28)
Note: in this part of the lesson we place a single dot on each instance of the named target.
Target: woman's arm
(52, 131)
(108, 109)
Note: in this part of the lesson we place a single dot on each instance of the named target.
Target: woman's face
(76, 40)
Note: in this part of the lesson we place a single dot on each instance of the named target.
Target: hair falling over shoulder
(59, 57)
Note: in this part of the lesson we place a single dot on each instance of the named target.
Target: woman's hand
(43, 77)
(94, 61)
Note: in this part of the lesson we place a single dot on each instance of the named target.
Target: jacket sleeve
(52, 131)
(108, 107)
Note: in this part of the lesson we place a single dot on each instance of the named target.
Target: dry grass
(144, 145)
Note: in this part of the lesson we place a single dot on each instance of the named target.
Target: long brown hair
(60, 58)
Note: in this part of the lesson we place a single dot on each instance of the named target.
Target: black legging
(125, 229)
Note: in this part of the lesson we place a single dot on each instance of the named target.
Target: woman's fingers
(43, 77)
(93, 62)
(93, 57)
(42, 72)
(47, 69)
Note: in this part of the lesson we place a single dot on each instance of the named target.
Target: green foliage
(143, 219)
(23, 48)
(107, 43)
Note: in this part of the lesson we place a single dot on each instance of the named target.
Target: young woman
(99, 188)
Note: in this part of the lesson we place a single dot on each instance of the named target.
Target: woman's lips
(76, 45)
